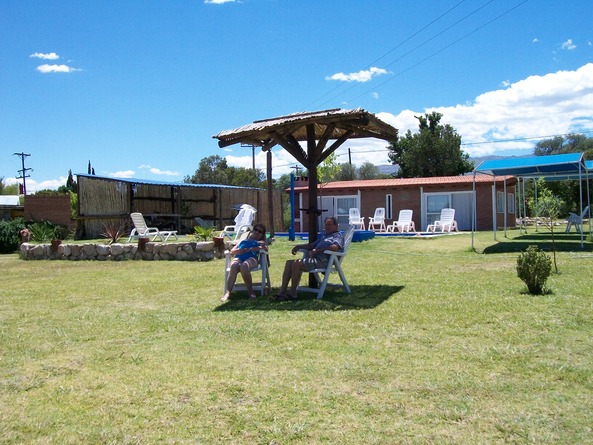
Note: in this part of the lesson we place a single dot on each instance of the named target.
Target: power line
(442, 49)
(23, 171)
(388, 52)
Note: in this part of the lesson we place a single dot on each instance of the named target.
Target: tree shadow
(362, 297)
(563, 242)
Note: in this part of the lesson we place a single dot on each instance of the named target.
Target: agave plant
(43, 232)
(113, 231)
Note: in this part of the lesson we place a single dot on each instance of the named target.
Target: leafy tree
(2, 185)
(572, 143)
(549, 206)
(211, 170)
(328, 169)
(246, 177)
(347, 172)
(11, 189)
(368, 170)
(434, 151)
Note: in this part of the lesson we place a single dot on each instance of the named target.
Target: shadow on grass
(563, 242)
(362, 297)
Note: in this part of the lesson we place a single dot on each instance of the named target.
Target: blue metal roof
(565, 165)
(168, 184)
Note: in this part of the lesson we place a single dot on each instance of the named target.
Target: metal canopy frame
(551, 168)
(316, 129)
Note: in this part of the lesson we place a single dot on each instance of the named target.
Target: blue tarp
(565, 165)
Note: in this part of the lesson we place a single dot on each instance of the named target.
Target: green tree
(572, 143)
(434, 151)
(368, 170)
(2, 185)
(246, 177)
(211, 170)
(328, 169)
(549, 206)
(347, 172)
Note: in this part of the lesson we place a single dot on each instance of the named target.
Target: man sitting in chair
(246, 258)
(313, 259)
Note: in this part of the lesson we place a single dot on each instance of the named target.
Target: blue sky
(140, 87)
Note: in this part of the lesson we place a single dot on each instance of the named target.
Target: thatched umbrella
(316, 129)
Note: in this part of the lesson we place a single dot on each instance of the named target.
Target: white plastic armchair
(141, 229)
(404, 222)
(333, 265)
(243, 222)
(446, 222)
(576, 220)
(378, 220)
(263, 285)
(354, 219)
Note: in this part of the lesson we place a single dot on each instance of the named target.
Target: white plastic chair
(404, 222)
(354, 219)
(446, 222)
(378, 220)
(333, 265)
(576, 220)
(264, 285)
(243, 222)
(141, 229)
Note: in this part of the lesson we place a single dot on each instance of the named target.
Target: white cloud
(122, 174)
(361, 76)
(50, 56)
(536, 107)
(536, 40)
(55, 69)
(218, 2)
(568, 45)
(158, 171)
(375, 95)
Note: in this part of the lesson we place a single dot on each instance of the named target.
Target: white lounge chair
(446, 222)
(243, 222)
(404, 222)
(333, 265)
(141, 230)
(354, 219)
(378, 220)
(264, 285)
(576, 220)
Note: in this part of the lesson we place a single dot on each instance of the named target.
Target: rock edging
(187, 251)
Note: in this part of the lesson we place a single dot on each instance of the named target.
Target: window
(388, 206)
(511, 203)
(500, 202)
(343, 205)
(434, 204)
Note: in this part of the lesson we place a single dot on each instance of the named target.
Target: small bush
(113, 232)
(204, 233)
(10, 235)
(43, 232)
(533, 268)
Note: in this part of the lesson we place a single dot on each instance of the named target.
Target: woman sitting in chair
(246, 258)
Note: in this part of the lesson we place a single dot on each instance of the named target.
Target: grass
(436, 344)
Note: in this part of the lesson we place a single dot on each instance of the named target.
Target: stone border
(187, 251)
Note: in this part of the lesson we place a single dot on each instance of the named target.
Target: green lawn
(436, 345)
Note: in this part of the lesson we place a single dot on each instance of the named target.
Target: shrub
(204, 233)
(10, 235)
(533, 268)
(43, 232)
(112, 231)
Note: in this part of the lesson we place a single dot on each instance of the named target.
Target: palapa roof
(332, 124)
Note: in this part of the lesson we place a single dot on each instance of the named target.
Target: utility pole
(252, 154)
(297, 168)
(24, 170)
